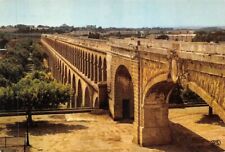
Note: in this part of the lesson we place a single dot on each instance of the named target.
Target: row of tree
(20, 53)
(215, 36)
(28, 89)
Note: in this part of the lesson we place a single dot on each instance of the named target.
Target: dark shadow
(191, 141)
(129, 121)
(99, 112)
(213, 119)
(41, 128)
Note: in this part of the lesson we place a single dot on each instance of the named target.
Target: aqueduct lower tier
(135, 77)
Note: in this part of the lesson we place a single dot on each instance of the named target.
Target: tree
(163, 37)
(35, 91)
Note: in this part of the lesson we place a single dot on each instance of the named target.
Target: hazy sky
(117, 13)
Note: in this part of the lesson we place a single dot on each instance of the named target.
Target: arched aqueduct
(134, 77)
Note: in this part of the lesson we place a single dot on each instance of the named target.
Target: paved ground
(98, 133)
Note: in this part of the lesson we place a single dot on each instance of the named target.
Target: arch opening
(123, 94)
(65, 78)
(79, 96)
(100, 69)
(155, 126)
(104, 70)
(69, 77)
(96, 104)
(74, 91)
(87, 98)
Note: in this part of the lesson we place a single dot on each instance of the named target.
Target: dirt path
(197, 120)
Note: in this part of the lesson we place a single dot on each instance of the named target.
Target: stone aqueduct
(134, 77)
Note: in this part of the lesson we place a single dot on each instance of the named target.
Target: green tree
(39, 91)
(35, 91)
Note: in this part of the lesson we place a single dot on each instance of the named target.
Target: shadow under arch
(96, 103)
(123, 94)
(74, 91)
(80, 94)
(87, 98)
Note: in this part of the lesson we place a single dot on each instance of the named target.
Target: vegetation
(163, 37)
(36, 90)
(203, 36)
(24, 82)
(94, 35)
(181, 96)
(20, 54)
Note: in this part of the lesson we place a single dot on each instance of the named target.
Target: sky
(114, 13)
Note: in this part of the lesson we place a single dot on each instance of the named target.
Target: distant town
(188, 34)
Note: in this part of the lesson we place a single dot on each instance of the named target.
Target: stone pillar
(102, 95)
(154, 129)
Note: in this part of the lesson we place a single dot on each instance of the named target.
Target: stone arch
(123, 94)
(62, 73)
(74, 91)
(89, 66)
(87, 98)
(85, 64)
(79, 94)
(60, 70)
(155, 80)
(100, 69)
(74, 57)
(104, 70)
(65, 75)
(60, 66)
(207, 98)
(154, 112)
(69, 77)
(82, 61)
(80, 56)
(78, 59)
(96, 103)
(96, 69)
(201, 93)
(92, 67)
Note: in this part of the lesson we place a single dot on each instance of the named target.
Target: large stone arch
(207, 98)
(79, 94)
(92, 67)
(154, 124)
(123, 94)
(87, 98)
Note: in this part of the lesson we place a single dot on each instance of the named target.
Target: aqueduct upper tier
(134, 77)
